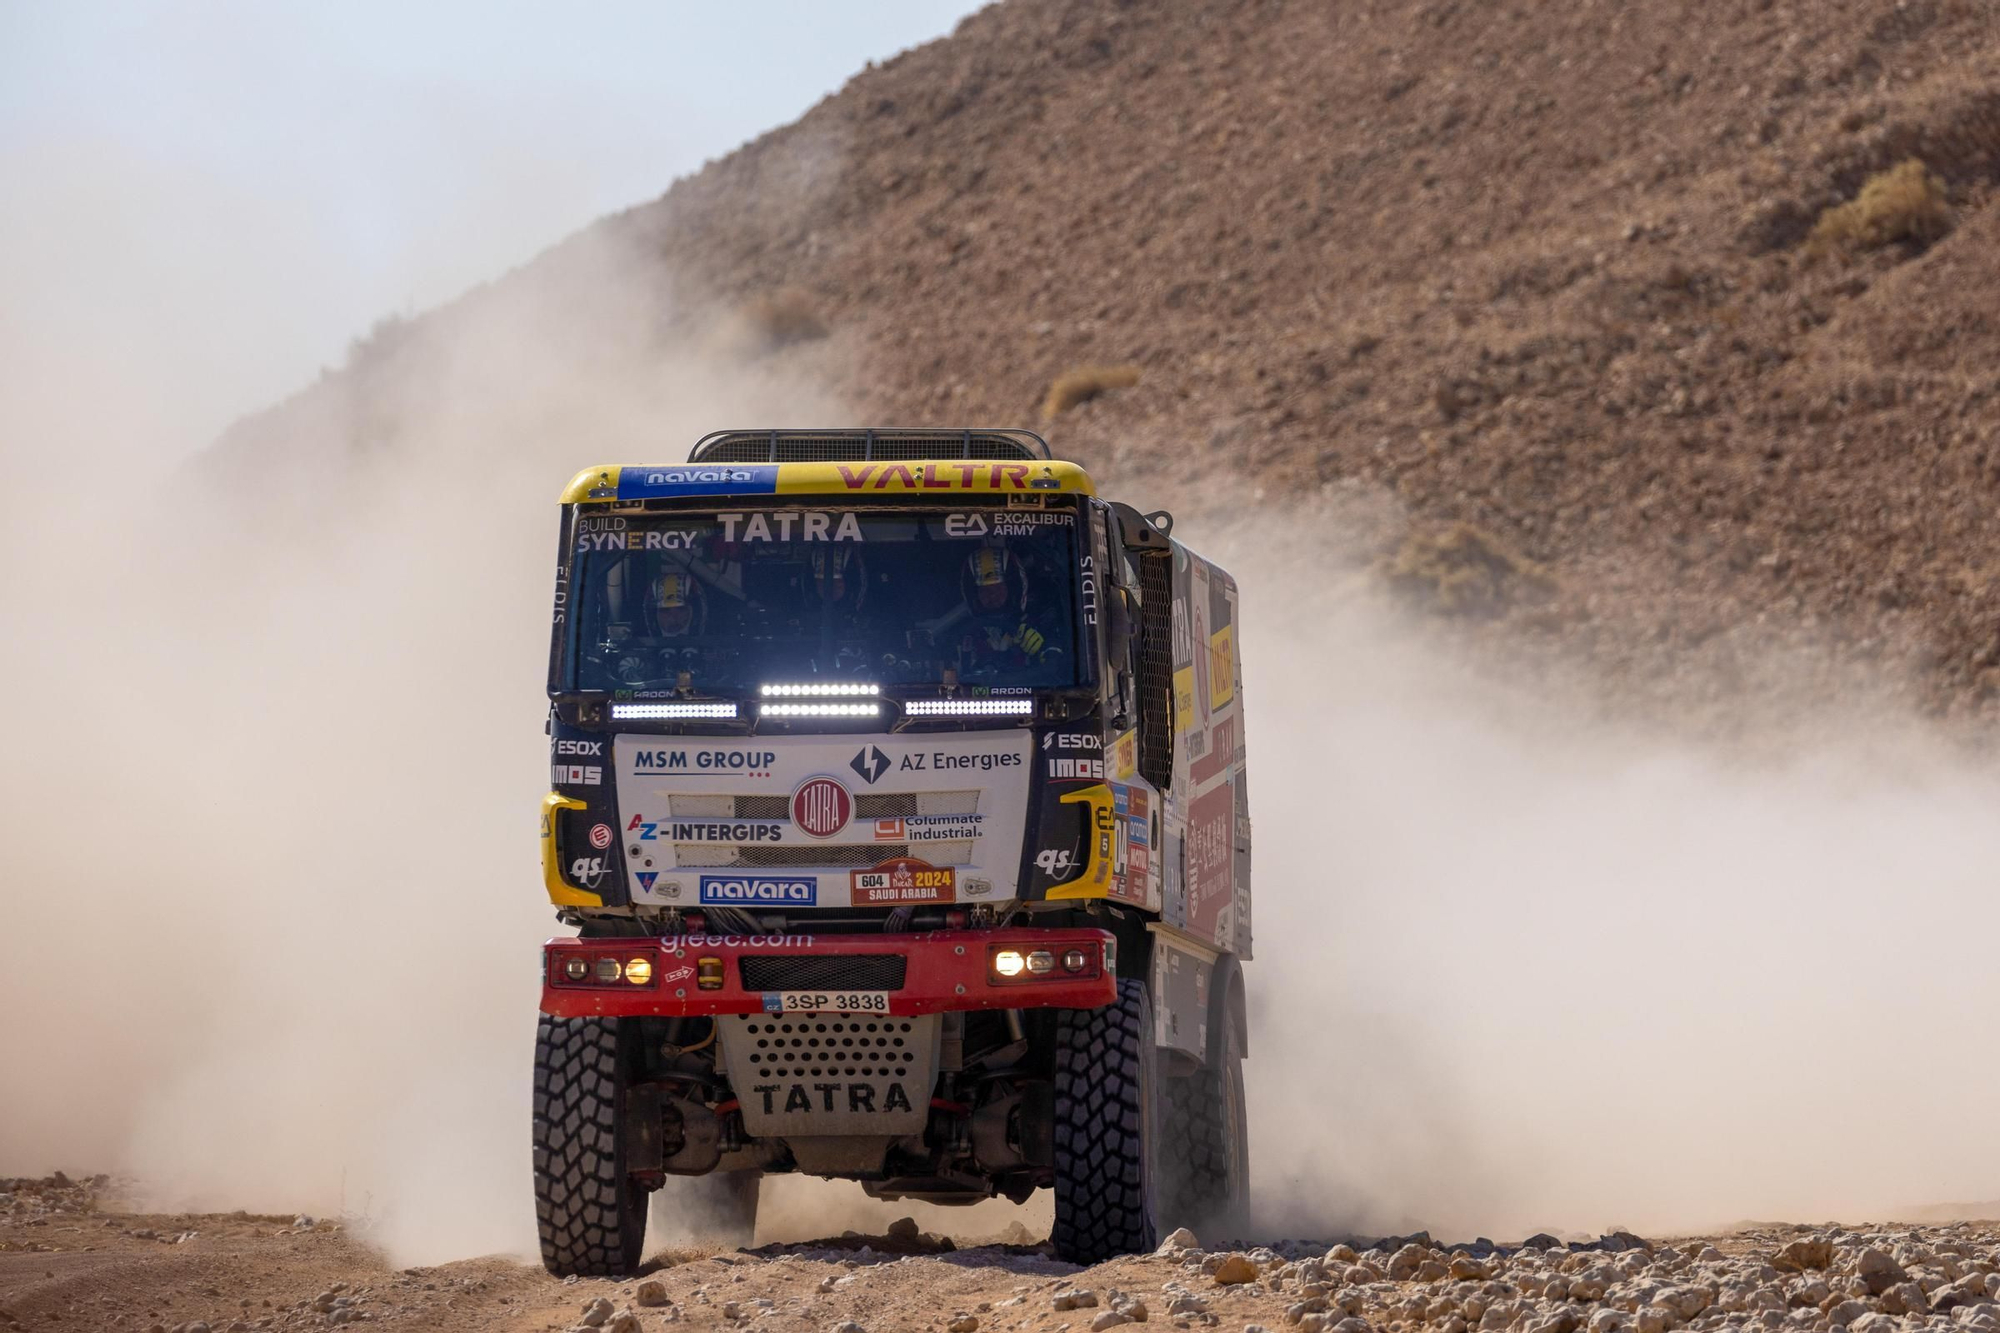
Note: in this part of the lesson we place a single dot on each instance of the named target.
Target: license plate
(834, 1001)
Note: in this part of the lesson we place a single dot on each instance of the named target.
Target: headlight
(1041, 962)
(1075, 960)
(607, 970)
(576, 969)
(639, 971)
(1008, 963)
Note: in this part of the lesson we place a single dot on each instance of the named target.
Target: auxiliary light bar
(969, 707)
(870, 709)
(637, 712)
(820, 690)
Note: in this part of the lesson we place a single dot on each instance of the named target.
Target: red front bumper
(944, 970)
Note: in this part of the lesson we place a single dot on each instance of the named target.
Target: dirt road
(69, 1261)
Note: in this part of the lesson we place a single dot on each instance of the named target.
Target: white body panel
(916, 819)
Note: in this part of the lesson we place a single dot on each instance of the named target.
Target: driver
(1002, 627)
(675, 608)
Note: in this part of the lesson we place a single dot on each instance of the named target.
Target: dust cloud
(1523, 968)
(268, 938)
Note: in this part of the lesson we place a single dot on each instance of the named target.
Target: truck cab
(899, 823)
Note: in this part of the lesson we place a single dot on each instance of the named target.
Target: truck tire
(590, 1212)
(719, 1208)
(1107, 1120)
(1207, 1139)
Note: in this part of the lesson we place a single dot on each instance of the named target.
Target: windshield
(746, 598)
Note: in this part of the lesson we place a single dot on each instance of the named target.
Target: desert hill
(1676, 324)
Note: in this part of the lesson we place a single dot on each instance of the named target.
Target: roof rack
(893, 445)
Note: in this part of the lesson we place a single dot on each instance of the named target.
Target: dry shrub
(781, 318)
(1463, 570)
(1903, 204)
(1075, 387)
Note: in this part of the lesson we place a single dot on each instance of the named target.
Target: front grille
(867, 805)
(822, 972)
(813, 446)
(862, 854)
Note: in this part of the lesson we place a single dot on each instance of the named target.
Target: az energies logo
(821, 807)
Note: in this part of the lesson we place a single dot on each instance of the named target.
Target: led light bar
(638, 712)
(817, 690)
(819, 710)
(969, 707)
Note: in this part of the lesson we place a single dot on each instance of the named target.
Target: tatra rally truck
(898, 808)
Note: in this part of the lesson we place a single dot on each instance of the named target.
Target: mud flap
(1183, 973)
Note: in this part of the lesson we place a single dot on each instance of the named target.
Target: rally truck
(898, 811)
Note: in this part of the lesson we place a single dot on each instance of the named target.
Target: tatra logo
(822, 1097)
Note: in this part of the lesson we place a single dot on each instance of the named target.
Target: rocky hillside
(1673, 328)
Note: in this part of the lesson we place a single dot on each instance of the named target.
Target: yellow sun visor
(628, 481)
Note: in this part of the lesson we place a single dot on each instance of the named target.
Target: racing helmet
(675, 603)
(841, 575)
(993, 581)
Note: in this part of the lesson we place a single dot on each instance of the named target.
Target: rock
(1073, 1299)
(1562, 1320)
(1653, 1319)
(1341, 1254)
(1607, 1320)
(1875, 1323)
(965, 1323)
(1134, 1310)
(1187, 1304)
(1403, 1264)
(625, 1321)
(1353, 1324)
(1541, 1240)
(1180, 1239)
(1709, 1255)
(655, 1293)
(1465, 1268)
(595, 1313)
(904, 1228)
(1844, 1313)
(848, 1326)
(1234, 1270)
(1878, 1272)
(731, 1310)
(1686, 1301)
(1970, 1290)
(302, 1222)
(1810, 1294)
(1814, 1252)
(1108, 1319)
(1905, 1298)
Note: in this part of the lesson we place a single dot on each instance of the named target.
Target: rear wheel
(591, 1213)
(1107, 1124)
(1207, 1142)
(719, 1208)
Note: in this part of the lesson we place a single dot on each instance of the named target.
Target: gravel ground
(69, 1261)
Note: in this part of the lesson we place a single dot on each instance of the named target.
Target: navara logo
(698, 476)
(733, 890)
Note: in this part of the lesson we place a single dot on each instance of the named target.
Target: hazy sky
(201, 203)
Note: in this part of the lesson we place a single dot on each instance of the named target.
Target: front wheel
(1107, 1129)
(589, 1210)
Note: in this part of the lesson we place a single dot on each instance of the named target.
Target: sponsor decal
(1221, 666)
(635, 483)
(849, 1098)
(646, 878)
(678, 539)
(1072, 740)
(1054, 862)
(790, 525)
(1125, 755)
(731, 890)
(1183, 697)
(577, 775)
(744, 830)
(750, 763)
(942, 828)
(869, 764)
(821, 807)
(1217, 751)
(681, 973)
(1087, 587)
(1210, 861)
(1067, 769)
(736, 941)
(581, 749)
(903, 880)
(889, 830)
(947, 761)
(600, 836)
(774, 1003)
(1020, 523)
(586, 868)
(935, 476)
